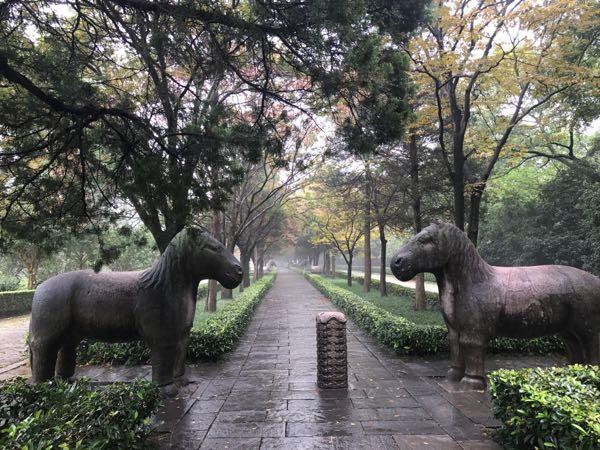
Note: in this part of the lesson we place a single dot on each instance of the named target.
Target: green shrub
(15, 302)
(213, 338)
(398, 333)
(557, 407)
(76, 416)
(408, 338)
(127, 353)
(8, 282)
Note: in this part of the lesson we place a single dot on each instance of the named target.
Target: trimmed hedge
(557, 407)
(215, 337)
(13, 303)
(408, 338)
(57, 414)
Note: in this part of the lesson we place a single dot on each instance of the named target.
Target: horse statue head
(440, 246)
(194, 253)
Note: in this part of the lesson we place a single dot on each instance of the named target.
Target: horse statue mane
(164, 272)
(461, 251)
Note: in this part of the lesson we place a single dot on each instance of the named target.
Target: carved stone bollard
(332, 353)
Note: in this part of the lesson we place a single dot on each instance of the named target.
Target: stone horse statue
(156, 305)
(479, 301)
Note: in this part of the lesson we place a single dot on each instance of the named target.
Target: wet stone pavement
(264, 395)
(13, 331)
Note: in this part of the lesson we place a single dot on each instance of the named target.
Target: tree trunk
(228, 293)
(326, 263)
(333, 273)
(474, 212)
(420, 299)
(420, 303)
(211, 298)
(349, 271)
(210, 305)
(245, 261)
(382, 262)
(367, 231)
(162, 238)
(260, 269)
(31, 276)
(460, 119)
(255, 262)
(316, 255)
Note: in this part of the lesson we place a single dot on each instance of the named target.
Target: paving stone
(171, 412)
(295, 395)
(242, 416)
(320, 404)
(401, 427)
(426, 442)
(383, 402)
(363, 442)
(312, 429)
(230, 444)
(208, 406)
(487, 444)
(246, 429)
(195, 422)
(402, 414)
(183, 440)
(297, 443)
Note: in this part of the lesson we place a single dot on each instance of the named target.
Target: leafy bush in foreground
(408, 338)
(216, 336)
(61, 415)
(548, 408)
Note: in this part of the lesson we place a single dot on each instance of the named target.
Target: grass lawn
(202, 315)
(399, 305)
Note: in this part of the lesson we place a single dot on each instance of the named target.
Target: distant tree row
(492, 86)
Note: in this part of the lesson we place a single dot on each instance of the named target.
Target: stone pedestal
(332, 352)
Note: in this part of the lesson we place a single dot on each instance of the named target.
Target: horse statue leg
(457, 360)
(163, 367)
(181, 354)
(473, 347)
(591, 345)
(575, 351)
(67, 358)
(42, 358)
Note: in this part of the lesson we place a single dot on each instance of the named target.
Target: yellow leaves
(36, 163)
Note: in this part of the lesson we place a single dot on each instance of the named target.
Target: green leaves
(57, 414)
(557, 407)
(405, 337)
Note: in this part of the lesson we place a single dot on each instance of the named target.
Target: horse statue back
(480, 301)
(156, 305)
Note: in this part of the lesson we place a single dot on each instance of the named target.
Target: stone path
(13, 331)
(264, 394)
